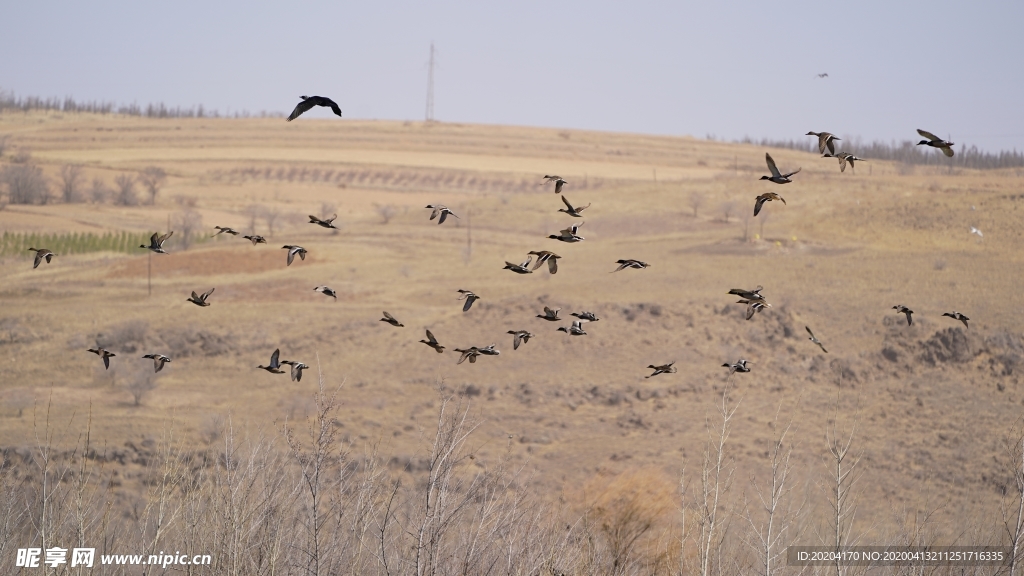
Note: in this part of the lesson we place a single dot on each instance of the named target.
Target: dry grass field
(929, 405)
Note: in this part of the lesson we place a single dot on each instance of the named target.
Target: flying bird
(575, 330)
(256, 239)
(469, 297)
(766, 197)
(973, 231)
(663, 369)
(825, 140)
(519, 268)
(292, 251)
(630, 263)
(297, 368)
(754, 306)
(200, 299)
(442, 211)
(571, 210)
(558, 183)
(158, 361)
(326, 291)
(391, 320)
(310, 101)
(901, 309)
(325, 222)
(815, 340)
(550, 315)
(275, 365)
(432, 342)
(41, 254)
(585, 316)
(844, 157)
(739, 366)
(225, 230)
(935, 142)
(106, 355)
(488, 350)
(545, 256)
(748, 294)
(519, 337)
(570, 234)
(472, 352)
(156, 242)
(958, 316)
(822, 75)
(776, 176)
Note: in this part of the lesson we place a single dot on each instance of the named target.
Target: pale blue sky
(725, 68)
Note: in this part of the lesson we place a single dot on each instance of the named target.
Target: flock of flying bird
(752, 299)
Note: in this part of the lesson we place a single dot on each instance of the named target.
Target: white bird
(976, 231)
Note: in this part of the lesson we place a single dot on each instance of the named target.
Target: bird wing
(558, 185)
(434, 213)
(928, 134)
(389, 317)
(300, 108)
(38, 259)
(207, 294)
(842, 163)
(771, 165)
(275, 358)
(469, 302)
(947, 151)
(334, 106)
(830, 142)
(751, 309)
(444, 215)
(291, 255)
(808, 328)
(567, 205)
(430, 336)
(526, 264)
(194, 295)
(516, 338)
(760, 202)
(552, 265)
(791, 173)
(162, 239)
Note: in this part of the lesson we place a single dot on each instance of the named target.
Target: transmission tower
(430, 86)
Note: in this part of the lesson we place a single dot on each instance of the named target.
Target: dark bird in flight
(326, 291)
(901, 309)
(825, 140)
(432, 342)
(822, 75)
(573, 211)
(754, 306)
(310, 101)
(630, 263)
(958, 316)
(766, 197)
(776, 176)
(550, 315)
(326, 222)
(585, 316)
(739, 366)
(575, 330)
(844, 157)
(935, 142)
(472, 352)
(519, 268)
(158, 361)
(569, 234)
(754, 294)
(256, 239)
(440, 210)
(815, 340)
(103, 354)
(469, 297)
(225, 230)
(156, 242)
(519, 337)
(391, 320)
(558, 183)
(200, 299)
(292, 251)
(663, 369)
(41, 253)
(297, 368)
(275, 365)
(545, 256)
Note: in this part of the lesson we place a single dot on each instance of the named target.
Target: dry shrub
(633, 514)
(128, 336)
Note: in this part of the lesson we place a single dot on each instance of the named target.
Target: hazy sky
(728, 69)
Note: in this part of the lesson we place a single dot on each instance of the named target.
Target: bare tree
(71, 181)
(727, 209)
(1012, 505)
(386, 211)
(715, 481)
(25, 184)
(270, 217)
(100, 192)
(696, 201)
(187, 222)
(125, 191)
(841, 478)
(153, 177)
